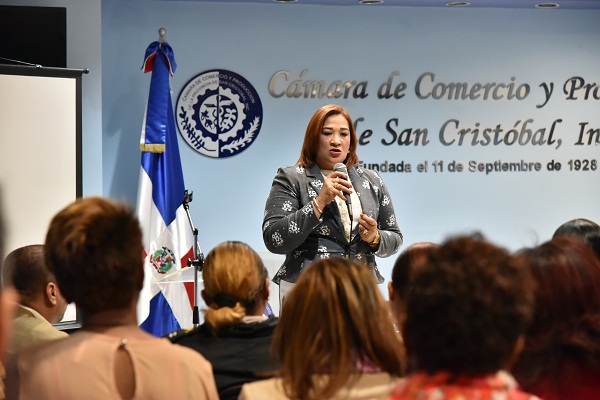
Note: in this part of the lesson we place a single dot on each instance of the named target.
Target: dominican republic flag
(166, 302)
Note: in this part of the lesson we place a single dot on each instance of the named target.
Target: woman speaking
(326, 205)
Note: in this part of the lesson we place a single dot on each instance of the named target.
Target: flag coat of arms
(165, 305)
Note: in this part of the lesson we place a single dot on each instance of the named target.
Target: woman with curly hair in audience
(466, 313)
(561, 358)
(335, 338)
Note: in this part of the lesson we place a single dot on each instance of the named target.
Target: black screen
(34, 35)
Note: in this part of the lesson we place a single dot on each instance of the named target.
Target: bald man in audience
(41, 303)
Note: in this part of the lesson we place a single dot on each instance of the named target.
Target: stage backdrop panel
(514, 92)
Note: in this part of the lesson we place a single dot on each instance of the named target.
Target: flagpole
(198, 261)
(162, 32)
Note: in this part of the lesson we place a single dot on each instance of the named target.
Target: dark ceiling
(521, 4)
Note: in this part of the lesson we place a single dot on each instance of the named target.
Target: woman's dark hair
(566, 323)
(467, 308)
(413, 257)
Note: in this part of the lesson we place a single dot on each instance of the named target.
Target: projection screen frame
(76, 75)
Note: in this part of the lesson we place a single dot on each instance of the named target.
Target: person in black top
(236, 335)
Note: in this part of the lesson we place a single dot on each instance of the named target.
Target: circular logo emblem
(163, 260)
(219, 113)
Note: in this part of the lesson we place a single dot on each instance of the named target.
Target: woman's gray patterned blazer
(291, 227)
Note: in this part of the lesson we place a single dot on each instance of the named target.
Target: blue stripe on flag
(164, 170)
(161, 319)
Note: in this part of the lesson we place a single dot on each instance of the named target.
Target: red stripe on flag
(149, 64)
(189, 286)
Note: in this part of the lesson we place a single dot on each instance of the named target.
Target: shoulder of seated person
(180, 333)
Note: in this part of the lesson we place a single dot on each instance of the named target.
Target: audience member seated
(561, 357)
(466, 314)
(8, 302)
(236, 335)
(407, 264)
(41, 303)
(335, 338)
(583, 229)
(94, 248)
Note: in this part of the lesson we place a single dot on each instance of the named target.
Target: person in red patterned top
(467, 310)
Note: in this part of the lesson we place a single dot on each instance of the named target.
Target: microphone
(341, 167)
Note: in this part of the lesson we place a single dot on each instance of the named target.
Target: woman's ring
(366, 232)
(335, 185)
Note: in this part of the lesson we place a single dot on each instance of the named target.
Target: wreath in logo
(219, 113)
(163, 260)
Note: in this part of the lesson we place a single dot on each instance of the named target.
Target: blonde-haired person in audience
(236, 336)
(335, 338)
(94, 249)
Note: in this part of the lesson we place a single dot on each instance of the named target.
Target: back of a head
(582, 229)
(94, 248)
(25, 270)
(567, 316)
(409, 260)
(466, 309)
(333, 320)
(234, 279)
(578, 227)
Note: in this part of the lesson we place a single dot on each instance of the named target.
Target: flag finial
(162, 35)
